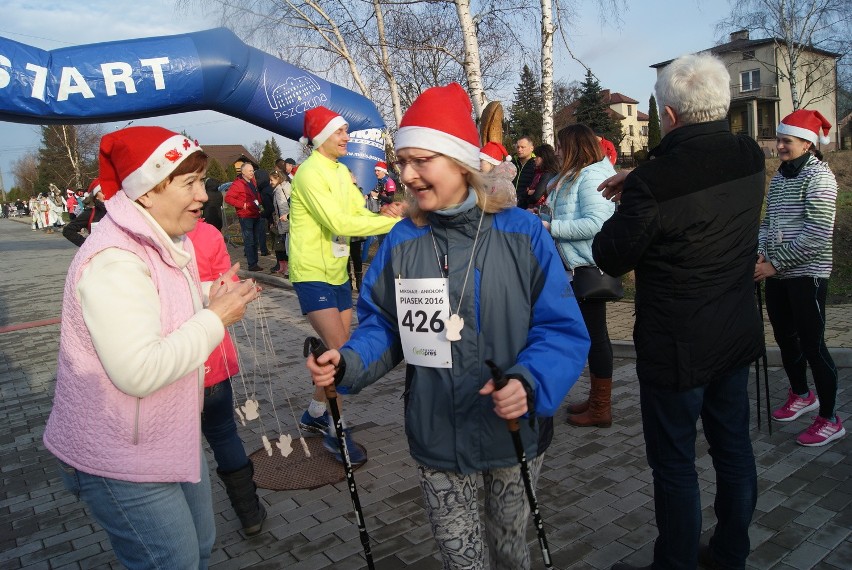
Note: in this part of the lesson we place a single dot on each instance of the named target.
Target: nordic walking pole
(765, 361)
(500, 381)
(316, 347)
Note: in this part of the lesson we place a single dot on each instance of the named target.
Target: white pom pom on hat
(136, 159)
(806, 124)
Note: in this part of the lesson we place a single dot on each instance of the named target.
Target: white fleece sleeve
(121, 309)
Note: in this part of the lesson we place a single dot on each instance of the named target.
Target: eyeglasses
(417, 163)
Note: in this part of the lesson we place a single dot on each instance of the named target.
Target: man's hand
(611, 187)
(393, 210)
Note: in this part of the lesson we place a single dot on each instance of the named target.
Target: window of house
(750, 80)
(749, 54)
(643, 131)
(629, 111)
(631, 130)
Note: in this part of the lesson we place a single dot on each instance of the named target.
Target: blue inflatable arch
(149, 77)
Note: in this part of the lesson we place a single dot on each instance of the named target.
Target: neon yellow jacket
(326, 204)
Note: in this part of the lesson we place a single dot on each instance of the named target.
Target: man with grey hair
(687, 225)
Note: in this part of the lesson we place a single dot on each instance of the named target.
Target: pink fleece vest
(95, 427)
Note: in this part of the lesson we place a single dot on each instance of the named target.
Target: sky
(619, 54)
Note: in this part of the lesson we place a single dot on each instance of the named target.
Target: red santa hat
(320, 122)
(382, 167)
(136, 159)
(440, 120)
(95, 187)
(494, 153)
(806, 124)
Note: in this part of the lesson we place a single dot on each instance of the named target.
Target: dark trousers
(600, 351)
(254, 237)
(669, 423)
(796, 309)
(220, 429)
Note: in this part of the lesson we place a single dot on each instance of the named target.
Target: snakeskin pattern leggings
(453, 510)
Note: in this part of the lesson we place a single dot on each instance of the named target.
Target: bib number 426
(416, 321)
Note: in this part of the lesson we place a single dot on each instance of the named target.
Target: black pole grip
(317, 348)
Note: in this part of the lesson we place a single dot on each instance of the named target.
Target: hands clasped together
(228, 298)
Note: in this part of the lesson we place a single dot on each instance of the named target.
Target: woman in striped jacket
(795, 259)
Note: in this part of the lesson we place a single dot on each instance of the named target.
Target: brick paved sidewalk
(595, 490)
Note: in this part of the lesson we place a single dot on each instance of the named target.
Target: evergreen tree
(654, 133)
(593, 111)
(215, 171)
(269, 155)
(525, 111)
(230, 173)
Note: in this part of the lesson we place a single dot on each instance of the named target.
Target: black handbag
(592, 284)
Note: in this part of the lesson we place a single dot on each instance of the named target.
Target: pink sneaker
(795, 407)
(821, 432)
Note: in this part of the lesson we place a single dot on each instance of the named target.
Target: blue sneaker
(315, 425)
(356, 456)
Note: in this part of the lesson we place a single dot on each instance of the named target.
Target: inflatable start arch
(149, 77)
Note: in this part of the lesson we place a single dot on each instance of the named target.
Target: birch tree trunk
(386, 66)
(547, 72)
(471, 57)
(69, 141)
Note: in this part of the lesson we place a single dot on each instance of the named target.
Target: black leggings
(796, 309)
(600, 353)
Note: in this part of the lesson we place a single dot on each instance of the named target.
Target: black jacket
(267, 195)
(85, 219)
(688, 225)
(523, 179)
(212, 212)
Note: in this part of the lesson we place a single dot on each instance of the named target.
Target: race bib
(422, 307)
(339, 246)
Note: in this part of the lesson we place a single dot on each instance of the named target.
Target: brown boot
(578, 408)
(599, 413)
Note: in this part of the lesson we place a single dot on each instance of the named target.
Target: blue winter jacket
(518, 310)
(579, 211)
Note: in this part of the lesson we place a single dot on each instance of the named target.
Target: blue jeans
(150, 525)
(220, 429)
(669, 422)
(254, 236)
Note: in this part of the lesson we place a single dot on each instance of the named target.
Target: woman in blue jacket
(578, 212)
(466, 278)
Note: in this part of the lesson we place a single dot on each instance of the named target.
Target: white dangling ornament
(250, 409)
(454, 326)
(240, 415)
(284, 444)
(305, 446)
(267, 446)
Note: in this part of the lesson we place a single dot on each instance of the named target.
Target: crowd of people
(515, 258)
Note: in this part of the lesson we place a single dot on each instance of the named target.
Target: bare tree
(25, 171)
(547, 71)
(798, 27)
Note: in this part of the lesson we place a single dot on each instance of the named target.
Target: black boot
(241, 491)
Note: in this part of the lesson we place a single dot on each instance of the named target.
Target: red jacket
(211, 253)
(244, 198)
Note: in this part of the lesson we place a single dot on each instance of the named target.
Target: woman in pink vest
(135, 333)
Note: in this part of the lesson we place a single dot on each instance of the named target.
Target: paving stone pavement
(595, 491)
